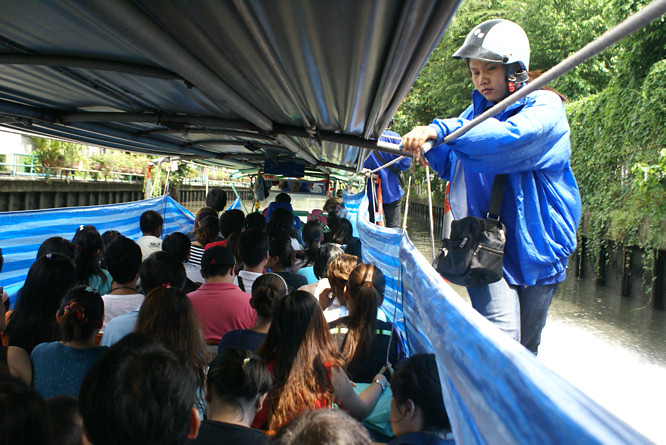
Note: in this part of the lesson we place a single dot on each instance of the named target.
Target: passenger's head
(324, 255)
(66, 420)
(216, 199)
(238, 379)
(167, 316)
(343, 232)
(56, 244)
(283, 197)
(88, 252)
(208, 230)
(33, 319)
(267, 289)
(151, 223)
(300, 343)
(281, 252)
(417, 397)
(178, 245)
(81, 314)
(323, 426)
(255, 220)
(313, 233)
(123, 259)
(202, 213)
(253, 247)
(161, 268)
(139, 392)
(363, 295)
(280, 222)
(109, 236)
(24, 418)
(338, 273)
(231, 221)
(233, 244)
(218, 261)
(332, 204)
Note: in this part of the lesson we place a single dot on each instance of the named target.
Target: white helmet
(497, 41)
(501, 41)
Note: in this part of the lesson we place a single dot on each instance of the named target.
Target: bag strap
(496, 196)
(240, 283)
(391, 167)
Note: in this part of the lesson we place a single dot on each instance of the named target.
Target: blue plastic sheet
(21, 233)
(494, 389)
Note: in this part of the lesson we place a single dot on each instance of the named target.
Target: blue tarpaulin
(495, 390)
(21, 233)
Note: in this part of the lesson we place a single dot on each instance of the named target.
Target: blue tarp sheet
(21, 233)
(494, 389)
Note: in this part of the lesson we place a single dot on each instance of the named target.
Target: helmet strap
(515, 80)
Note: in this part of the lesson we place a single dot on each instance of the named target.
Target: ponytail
(237, 374)
(80, 314)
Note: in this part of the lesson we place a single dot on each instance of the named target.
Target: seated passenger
(266, 290)
(322, 258)
(202, 213)
(281, 223)
(161, 268)
(167, 316)
(66, 420)
(123, 259)
(231, 221)
(88, 248)
(281, 259)
(33, 319)
(139, 392)
(418, 414)
(24, 418)
(151, 224)
(313, 234)
(255, 220)
(344, 235)
(362, 339)
(333, 303)
(207, 232)
(324, 426)
(236, 387)
(307, 368)
(56, 244)
(60, 366)
(216, 199)
(219, 303)
(178, 245)
(253, 250)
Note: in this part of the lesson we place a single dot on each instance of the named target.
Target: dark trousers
(391, 214)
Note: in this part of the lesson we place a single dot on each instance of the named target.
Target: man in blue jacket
(529, 141)
(389, 179)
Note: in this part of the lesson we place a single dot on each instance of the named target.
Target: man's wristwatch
(382, 384)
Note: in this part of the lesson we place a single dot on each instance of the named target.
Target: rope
(432, 226)
(409, 189)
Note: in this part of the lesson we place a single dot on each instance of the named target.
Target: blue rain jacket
(541, 207)
(391, 190)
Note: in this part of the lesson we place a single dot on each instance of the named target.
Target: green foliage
(55, 153)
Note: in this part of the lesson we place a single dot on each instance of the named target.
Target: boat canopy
(228, 83)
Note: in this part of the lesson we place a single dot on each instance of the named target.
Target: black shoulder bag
(473, 253)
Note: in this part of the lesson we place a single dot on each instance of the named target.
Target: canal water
(613, 348)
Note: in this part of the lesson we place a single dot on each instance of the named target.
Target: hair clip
(166, 285)
(89, 289)
(49, 256)
(246, 360)
(81, 227)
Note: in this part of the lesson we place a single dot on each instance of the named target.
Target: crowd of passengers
(248, 329)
